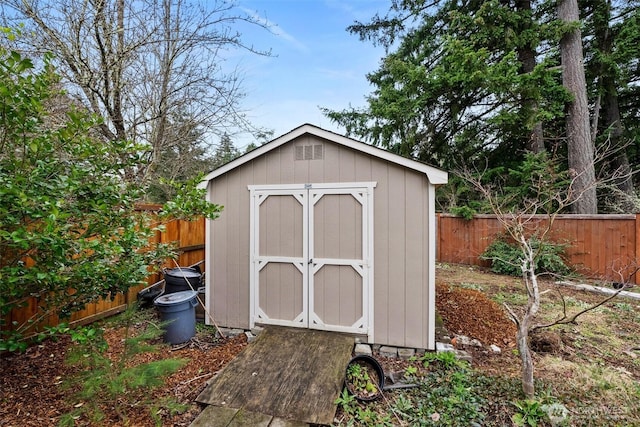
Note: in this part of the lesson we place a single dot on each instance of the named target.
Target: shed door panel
(281, 226)
(338, 288)
(337, 226)
(281, 258)
(337, 297)
(310, 267)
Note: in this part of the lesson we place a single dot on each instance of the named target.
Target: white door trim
(307, 195)
(258, 262)
(363, 267)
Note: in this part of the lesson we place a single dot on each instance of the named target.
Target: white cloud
(278, 31)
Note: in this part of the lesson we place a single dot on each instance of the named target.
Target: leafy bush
(446, 395)
(464, 211)
(530, 413)
(70, 233)
(506, 258)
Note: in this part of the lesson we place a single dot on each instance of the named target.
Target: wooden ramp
(287, 373)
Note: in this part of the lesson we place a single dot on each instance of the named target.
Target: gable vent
(309, 152)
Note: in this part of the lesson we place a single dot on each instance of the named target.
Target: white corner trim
(431, 272)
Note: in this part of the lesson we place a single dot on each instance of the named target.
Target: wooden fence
(605, 247)
(188, 236)
(599, 246)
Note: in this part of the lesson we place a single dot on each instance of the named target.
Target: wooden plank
(244, 418)
(611, 247)
(279, 422)
(19, 316)
(295, 374)
(382, 255)
(416, 301)
(97, 316)
(398, 230)
(191, 232)
(446, 235)
(237, 252)
(482, 237)
(220, 277)
(346, 166)
(472, 232)
(438, 236)
(214, 416)
(594, 240)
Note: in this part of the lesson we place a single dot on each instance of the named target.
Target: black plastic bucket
(149, 294)
(182, 279)
(370, 364)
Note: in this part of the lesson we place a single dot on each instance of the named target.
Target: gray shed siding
(401, 241)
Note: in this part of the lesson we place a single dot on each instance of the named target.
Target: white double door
(311, 256)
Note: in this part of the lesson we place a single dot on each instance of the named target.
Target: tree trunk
(530, 279)
(527, 57)
(522, 338)
(620, 162)
(612, 125)
(579, 145)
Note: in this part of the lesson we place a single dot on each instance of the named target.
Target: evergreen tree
(462, 82)
(480, 83)
(613, 47)
(225, 152)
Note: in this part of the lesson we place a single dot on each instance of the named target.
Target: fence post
(636, 277)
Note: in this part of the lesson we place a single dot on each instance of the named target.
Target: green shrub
(506, 258)
(68, 217)
(530, 413)
(445, 396)
(464, 211)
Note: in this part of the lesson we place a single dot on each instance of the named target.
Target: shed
(325, 232)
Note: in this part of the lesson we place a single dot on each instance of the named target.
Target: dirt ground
(32, 384)
(33, 391)
(608, 336)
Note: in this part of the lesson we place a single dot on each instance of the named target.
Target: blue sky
(316, 62)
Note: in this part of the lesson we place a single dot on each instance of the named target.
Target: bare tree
(580, 145)
(529, 225)
(135, 63)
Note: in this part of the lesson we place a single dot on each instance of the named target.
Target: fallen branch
(197, 378)
(600, 290)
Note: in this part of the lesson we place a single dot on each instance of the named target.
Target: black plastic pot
(147, 295)
(182, 279)
(372, 364)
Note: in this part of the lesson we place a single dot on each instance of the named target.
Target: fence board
(603, 247)
(187, 235)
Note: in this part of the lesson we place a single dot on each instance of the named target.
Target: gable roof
(435, 175)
